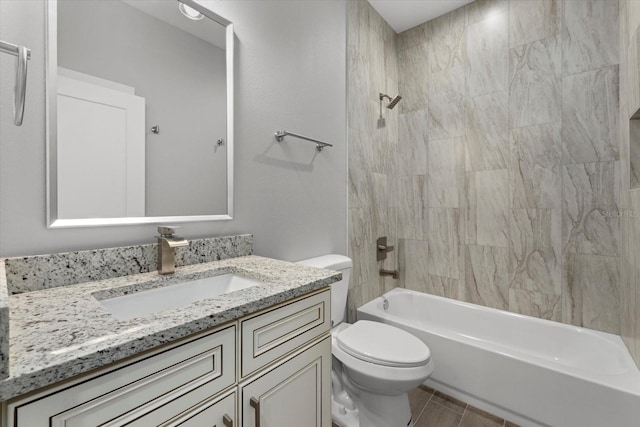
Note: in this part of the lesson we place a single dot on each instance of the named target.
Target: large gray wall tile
(445, 173)
(447, 42)
(479, 10)
(592, 297)
(489, 207)
(632, 88)
(487, 276)
(487, 132)
(413, 264)
(634, 154)
(446, 103)
(412, 37)
(443, 286)
(590, 116)
(590, 35)
(487, 55)
(543, 306)
(590, 208)
(536, 251)
(535, 83)
(445, 242)
(535, 169)
(531, 20)
(412, 80)
(411, 155)
(633, 18)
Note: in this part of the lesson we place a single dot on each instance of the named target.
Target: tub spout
(393, 273)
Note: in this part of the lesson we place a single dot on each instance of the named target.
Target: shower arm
(382, 96)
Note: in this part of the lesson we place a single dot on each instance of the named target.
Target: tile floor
(431, 408)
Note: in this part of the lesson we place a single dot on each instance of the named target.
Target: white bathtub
(530, 371)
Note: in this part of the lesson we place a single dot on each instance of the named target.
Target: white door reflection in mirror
(100, 148)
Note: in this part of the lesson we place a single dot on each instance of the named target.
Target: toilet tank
(339, 289)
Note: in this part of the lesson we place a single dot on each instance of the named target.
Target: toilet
(374, 365)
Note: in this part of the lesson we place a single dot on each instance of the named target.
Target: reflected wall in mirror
(140, 113)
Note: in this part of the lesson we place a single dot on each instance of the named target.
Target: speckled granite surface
(4, 323)
(27, 274)
(64, 331)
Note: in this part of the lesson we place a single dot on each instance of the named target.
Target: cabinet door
(295, 393)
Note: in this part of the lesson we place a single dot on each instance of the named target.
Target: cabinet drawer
(193, 412)
(270, 335)
(125, 393)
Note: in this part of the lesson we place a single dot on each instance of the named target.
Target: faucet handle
(167, 230)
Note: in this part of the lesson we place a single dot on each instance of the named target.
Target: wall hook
(156, 129)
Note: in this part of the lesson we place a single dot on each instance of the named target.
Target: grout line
(423, 408)
(463, 412)
(466, 406)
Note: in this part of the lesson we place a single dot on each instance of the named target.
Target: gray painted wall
(290, 58)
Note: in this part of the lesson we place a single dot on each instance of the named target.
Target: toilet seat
(383, 344)
(372, 375)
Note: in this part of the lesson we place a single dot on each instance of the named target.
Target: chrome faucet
(167, 244)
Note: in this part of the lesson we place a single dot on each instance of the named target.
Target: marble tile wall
(629, 246)
(503, 184)
(380, 204)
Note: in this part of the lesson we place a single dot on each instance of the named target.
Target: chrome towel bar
(20, 89)
(280, 134)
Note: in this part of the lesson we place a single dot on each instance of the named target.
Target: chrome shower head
(392, 101)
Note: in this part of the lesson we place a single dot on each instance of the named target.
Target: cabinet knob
(227, 421)
(255, 404)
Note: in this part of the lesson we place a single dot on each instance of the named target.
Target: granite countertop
(58, 333)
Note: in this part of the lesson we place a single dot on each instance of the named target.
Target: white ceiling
(167, 11)
(404, 14)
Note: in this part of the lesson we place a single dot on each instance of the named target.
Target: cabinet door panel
(296, 393)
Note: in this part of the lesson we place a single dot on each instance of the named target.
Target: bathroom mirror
(139, 113)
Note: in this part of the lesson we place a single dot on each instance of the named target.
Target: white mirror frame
(51, 122)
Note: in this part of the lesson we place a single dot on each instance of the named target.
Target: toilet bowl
(374, 365)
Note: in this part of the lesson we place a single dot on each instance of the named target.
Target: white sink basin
(164, 298)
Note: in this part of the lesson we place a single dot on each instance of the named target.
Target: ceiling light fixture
(190, 12)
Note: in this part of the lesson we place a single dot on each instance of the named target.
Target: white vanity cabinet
(295, 392)
(269, 369)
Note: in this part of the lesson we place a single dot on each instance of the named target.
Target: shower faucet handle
(382, 248)
(385, 248)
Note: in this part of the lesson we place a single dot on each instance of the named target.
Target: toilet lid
(383, 345)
